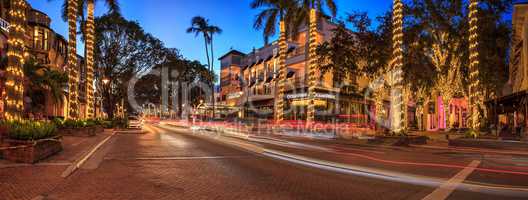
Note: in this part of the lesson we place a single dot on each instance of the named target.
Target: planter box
(399, 140)
(99, 129)
(32, 151)
(79, 132)
(489, 143)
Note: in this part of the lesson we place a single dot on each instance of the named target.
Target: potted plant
(30, 142)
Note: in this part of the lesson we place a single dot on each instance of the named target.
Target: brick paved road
(165, 165)
(22, 181)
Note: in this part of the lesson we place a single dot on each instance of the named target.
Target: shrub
(29, 130)
(471, 133)
(95, 122)
(70, 123)
(120, 123)
(107, 124)
(59, 122)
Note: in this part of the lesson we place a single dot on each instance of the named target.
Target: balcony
(4, 25)
(295, 82)
(298, 51)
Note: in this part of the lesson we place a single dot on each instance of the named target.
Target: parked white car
(135, 122)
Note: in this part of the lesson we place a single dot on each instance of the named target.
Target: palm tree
(73, 11)
(475, 98)
(200, 25)
(311, 8)
(40, 79)
(212, 30)
(73, 76)
(284, 11)
(15, 59)
(89, 30)
(396, 71)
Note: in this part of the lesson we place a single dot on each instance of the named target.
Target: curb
(76, 165)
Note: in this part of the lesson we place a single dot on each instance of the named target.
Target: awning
(290, 74)
(510, 103)
(291, 49)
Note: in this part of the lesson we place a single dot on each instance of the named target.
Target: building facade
(249, 84)
(46, 47)
(509, 112)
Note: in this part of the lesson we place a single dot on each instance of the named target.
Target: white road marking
(39, 197)
(32, 165)
(449, 186)
(188, 157)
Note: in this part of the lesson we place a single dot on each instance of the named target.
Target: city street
(174, 163)
(263, 99)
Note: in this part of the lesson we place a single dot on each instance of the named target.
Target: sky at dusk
(168, 20)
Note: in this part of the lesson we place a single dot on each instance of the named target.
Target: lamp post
(106, 80)
(104, 88)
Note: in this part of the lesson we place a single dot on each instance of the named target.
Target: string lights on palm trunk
(14, 74)
(90, 31)
(312, 65)
(396, 71)
(475, 97)
(279, 112)
(73, 76)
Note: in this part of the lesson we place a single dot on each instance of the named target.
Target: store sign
(307, 102)
(305, 95)
(234, 95)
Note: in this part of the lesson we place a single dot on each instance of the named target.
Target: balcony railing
(300, 50)
(4, 25)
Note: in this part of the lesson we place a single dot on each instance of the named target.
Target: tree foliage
(439, 30)
(180, 72)
(122, 51)
(339, 54)
(41, 79)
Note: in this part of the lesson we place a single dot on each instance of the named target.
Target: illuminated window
(40, 38)
(36, 38)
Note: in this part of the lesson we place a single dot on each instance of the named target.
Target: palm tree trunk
(207, 55)
(212, 70)
(312, 65)
(475, 97)
(89, 53)
(396, 72)
(378, 98)
(73, 99)
(283, 70)
(207, 52)
(14, 103)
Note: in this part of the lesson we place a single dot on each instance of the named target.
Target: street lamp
(106, 80)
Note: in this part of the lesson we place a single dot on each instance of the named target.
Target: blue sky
(168, 20)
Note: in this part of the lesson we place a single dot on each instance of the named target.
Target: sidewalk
(27, 181)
